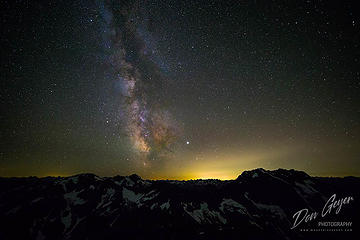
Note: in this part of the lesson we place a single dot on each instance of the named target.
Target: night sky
(179, 89)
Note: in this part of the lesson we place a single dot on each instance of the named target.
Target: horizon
(183, 179)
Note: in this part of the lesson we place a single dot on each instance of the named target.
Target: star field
(179, 89)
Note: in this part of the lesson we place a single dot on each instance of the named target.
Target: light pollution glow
(197, 163)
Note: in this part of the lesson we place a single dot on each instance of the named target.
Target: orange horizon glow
(199, 176)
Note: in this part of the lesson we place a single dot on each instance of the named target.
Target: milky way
(150, 128)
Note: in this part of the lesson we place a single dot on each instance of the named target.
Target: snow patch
(131, 196)
(165, 205)
(306, 188)
(129, 182)
(106, 197)
(232, 206)
(74, 179)
(204, 215)
(13, 211)
(36, 200)
(149, 196)
(72, 197)
(66, 220)
(274, 209)
(98, 178)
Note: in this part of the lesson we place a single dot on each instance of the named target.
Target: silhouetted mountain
(259, 204)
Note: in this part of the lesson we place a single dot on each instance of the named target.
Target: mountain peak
(135, 177)
(252, 173)
(281, 173)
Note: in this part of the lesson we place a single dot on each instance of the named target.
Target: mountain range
(259, 204)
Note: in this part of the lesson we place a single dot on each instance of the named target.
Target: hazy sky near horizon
(180, 89)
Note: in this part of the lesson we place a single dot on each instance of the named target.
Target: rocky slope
(259, 204)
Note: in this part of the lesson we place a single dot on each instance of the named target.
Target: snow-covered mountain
(259, 204)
